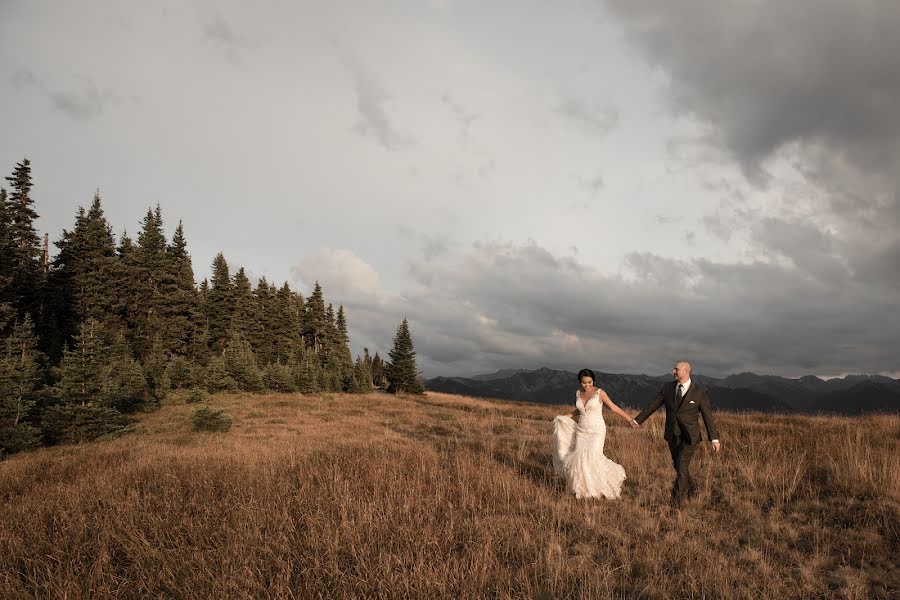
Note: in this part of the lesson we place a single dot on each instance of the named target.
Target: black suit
(682, 429)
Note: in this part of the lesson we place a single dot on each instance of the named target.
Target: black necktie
(680, 393)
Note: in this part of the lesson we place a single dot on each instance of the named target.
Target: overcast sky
(610, 184)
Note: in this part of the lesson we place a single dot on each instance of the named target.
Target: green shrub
(196, 395)
(208, 419)
(73, 423)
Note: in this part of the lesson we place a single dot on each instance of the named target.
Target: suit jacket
(693, 404)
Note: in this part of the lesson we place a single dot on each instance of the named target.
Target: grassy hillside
(441, 496)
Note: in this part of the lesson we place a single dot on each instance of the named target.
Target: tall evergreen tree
(125, 386)
(314, 326)
(82, 282)
(379, 378)
(26, 274)
(80, 375)
(154, 280)
(241, 365)
(308, 373)
(403, 375)
(20, 381)
(331, 339)
(126, 301)
(362, 377)
(349, 374)
(261, 334)
(285, 325)
(219, 304)
(5, 247)
(6, 264)
(298, 309)
(181, 308)
(244, 312)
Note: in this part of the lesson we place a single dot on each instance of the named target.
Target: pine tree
(6, 265)
(402, 375)
(156, 369)
(125, 386)
(369, 383)
(181, 309)
(332, 374)
(82, 391)
(219, 304)
(26, 274)
(20, 382)
(244, 313)
(379, 379)
(216, 377)
(241, 365)
(80, 373)
(262, 334)
(285, 326)
(278, 377)
(314, 327)
(81, 283)
(6, 253)
(154, 280)
(362, 377)
(308, 373)
(342, 350)
(298, 310)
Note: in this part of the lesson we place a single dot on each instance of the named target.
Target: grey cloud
(818, 79)
(430, 246)
(85, 101)
(767, 73)
(370, 100)
(716, 227)
(502, 306)
(221, 31)
(814, 82)
(813, 251)
(595, 118)
(464, 117)
(593, 185)
(652, 269)
(233, 43)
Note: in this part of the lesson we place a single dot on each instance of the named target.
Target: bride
(577, 444)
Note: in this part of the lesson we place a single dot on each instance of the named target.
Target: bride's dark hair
(585, 373)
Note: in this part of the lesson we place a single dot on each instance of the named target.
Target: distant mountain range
(854, 394)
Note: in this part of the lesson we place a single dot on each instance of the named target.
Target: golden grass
(445, 496)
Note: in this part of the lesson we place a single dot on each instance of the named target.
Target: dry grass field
(445, 496)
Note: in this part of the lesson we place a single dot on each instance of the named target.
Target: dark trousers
(682, 453)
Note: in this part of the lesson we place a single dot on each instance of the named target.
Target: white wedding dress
(577, 450)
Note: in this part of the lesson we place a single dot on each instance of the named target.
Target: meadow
(444, 496)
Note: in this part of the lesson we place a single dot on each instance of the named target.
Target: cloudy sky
(607, 183)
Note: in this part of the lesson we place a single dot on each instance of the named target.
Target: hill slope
(445, 496)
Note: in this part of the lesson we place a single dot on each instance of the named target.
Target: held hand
(634, 424)
(716, 446)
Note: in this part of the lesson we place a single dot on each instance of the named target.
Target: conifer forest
(106, 326)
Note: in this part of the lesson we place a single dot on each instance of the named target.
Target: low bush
(208, 419)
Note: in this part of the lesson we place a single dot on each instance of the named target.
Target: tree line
(108, 327)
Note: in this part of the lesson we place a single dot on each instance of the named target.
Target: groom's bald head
(682, 371)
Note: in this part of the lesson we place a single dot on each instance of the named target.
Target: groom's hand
(634, 424)
(716, 445)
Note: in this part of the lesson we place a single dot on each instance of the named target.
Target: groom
(685, 400)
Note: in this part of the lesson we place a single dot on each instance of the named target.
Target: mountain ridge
(747, 391)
